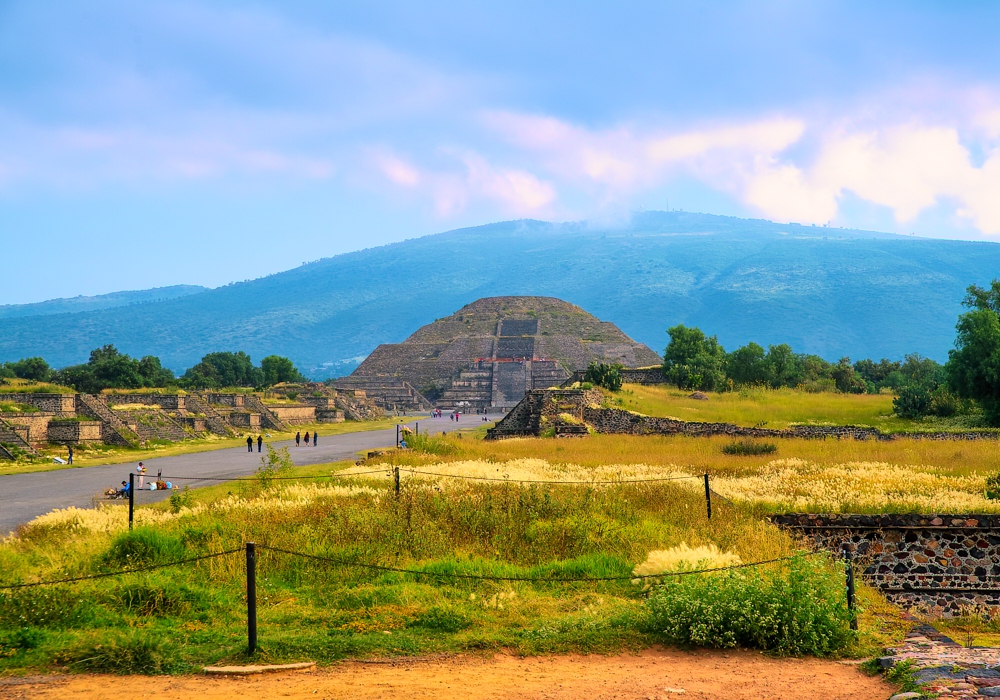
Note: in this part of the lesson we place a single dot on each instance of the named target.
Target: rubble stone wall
(934, 563)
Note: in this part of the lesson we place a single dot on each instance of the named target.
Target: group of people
(315, 437)
(140, 475)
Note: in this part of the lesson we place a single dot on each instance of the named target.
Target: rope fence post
(397, 436)
(131, 498)
(708, 497)
(849, 571)
(251, 598)
(395, 473)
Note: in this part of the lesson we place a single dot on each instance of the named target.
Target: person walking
(141, 471)
(260, 442)
(249, 443)
(70, 454)
(315, 437)
(307, 438)
(298, 436)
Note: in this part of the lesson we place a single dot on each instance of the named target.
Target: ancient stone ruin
(130, 419)
(491, 352)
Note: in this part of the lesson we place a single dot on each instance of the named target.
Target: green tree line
(108, 368)
(967, 382)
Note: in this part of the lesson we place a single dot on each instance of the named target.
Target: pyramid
(490, 352)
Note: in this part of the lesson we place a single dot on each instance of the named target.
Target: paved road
(26, 496)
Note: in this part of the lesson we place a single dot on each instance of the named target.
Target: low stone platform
(945, 667)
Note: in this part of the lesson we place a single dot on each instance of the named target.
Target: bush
(993, 486)
(131, 653)
(142, 547)
(747, 448)
(443, 619)
(604, 375)
(913, 402)
(796, 610)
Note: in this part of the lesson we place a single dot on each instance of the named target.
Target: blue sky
(148, 144)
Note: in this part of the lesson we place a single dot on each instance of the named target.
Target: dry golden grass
(699, 454)
(774, 408)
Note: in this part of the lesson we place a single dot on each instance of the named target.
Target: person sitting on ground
(124, 490)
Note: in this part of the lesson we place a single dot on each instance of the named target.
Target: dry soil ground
(655, 673)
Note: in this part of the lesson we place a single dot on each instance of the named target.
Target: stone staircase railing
(213, 420)
(10, 436)
(267, 418)
(114, 430)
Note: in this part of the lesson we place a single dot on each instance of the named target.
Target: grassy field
(93, 455)
(176, 619)
(779, 408)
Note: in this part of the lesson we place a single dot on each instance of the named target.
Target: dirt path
(661, 674)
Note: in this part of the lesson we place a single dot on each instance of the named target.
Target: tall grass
(777, 408)
(193, 614)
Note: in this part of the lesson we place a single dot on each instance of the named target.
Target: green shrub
(913, 402)
(604, 375)
(442, 618)
(20, 639)
(746, 448)
(180, 500)
(126, 654)
(153, 600)
(45, 606)
(796, 610)
(142, 547)
(993, 486)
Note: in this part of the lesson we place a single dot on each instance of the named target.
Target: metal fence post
(397, 435)
(131, 498)
(708, 497)
(849, 571)
(396, 474)
(251, 599)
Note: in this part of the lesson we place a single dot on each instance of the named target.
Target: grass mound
(749, 448)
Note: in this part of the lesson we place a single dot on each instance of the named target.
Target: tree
(108, 368)
(277, 369)
(694, 361)
(784, 368)
(973, 368)
(847, 381)
(747, 365)
(876, 372)
(33, 368)
(222, 369)
(605, 375)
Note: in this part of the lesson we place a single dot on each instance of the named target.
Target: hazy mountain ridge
(82, 303)
(830, 291)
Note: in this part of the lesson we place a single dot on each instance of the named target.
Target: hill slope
(101, 301)
(828, 291)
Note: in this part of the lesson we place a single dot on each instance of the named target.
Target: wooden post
(849, 571)
(708, 497)
(397, 436)
(251, 599)
(396, 474)
(131, 498)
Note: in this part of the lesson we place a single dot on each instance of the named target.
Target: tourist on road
(298, 436)
(307, 438)
(70, 454)
(315, 437)
(260, 442)
(249, 443)
(141, 471)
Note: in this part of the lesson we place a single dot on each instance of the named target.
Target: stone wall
(50, 403)
(935, 563)
(168, 402)
(244, 419)
(66, 432)
(37, 424)
(293, 414)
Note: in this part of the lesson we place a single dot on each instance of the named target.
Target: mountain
(828, 291)
(102, 301)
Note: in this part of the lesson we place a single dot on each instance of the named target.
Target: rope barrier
(119, 573)
(529, 579)
(540, 481)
